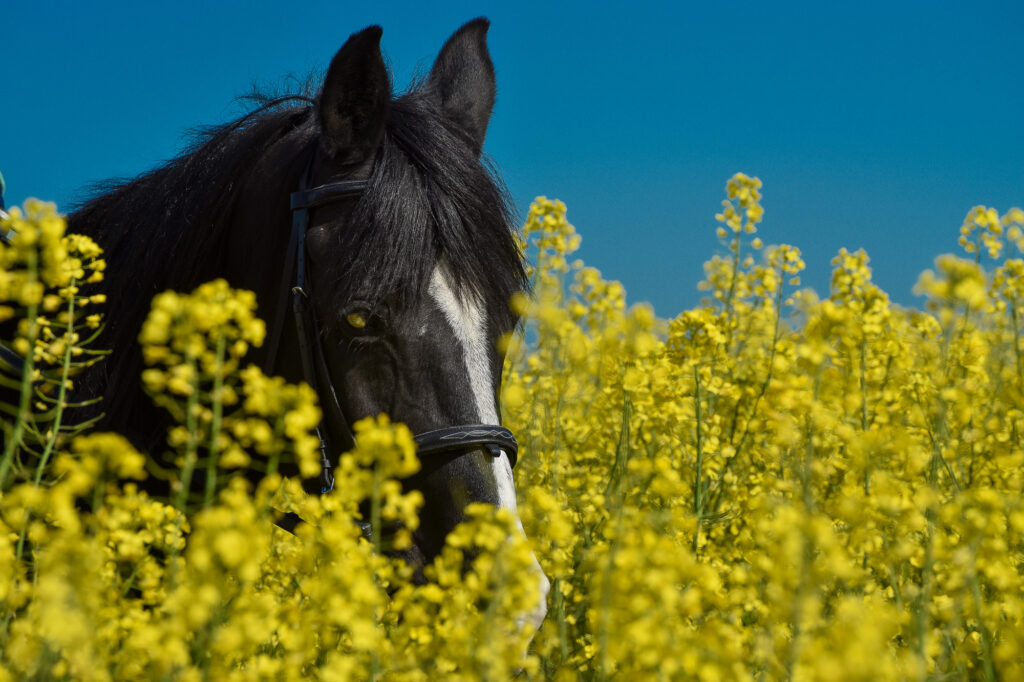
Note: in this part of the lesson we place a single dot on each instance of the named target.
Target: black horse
(412, 235)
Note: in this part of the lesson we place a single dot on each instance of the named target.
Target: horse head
(411, 262)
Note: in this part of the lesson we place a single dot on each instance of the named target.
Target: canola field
(775, 485)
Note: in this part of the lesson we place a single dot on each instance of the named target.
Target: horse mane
(429, 198)
(166, 229)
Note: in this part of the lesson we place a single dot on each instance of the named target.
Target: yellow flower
(768, 486)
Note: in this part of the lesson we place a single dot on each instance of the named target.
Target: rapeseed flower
(772, 485)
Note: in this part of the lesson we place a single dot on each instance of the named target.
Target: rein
(294, 281)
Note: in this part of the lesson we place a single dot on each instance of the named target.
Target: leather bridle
(448, 440)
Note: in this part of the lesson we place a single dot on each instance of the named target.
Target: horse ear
(462, 78)
(355, 98)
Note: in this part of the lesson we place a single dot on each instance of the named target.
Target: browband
(325, 194)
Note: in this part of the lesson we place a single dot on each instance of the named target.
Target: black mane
(428, 198)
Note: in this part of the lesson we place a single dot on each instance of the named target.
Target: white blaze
(469, 323)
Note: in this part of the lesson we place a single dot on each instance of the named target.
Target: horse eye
(362, 322)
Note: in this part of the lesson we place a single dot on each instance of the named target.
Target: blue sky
(872, 124)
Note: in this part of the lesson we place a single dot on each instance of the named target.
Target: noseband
(444, 441)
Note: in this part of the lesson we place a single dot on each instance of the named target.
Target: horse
(375, 208)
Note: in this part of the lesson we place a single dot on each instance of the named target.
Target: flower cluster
(782, 486)
(194, 345)
(99, 580)
(772, 485)
(46, 328)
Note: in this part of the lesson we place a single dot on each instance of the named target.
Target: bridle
(448, 440)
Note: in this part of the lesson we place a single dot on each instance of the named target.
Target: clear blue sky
(872, 124)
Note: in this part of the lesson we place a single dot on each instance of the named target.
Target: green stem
(563, 626)
(20, 549)
(988, 669)
(720, 483)
(14, 439)
(732, 287)
(1016, 341)
(604, 615)
(130, 580)
(622, 451)
(218, 412)
(559, 600)
(864, 409)
(923, 599)
(62, 391)
(192, 445)
(375, 504)
(698, 483)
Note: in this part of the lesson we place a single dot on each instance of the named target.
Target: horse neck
(168, 230)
